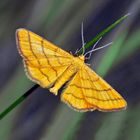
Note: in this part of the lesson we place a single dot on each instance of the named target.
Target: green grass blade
(18, 101)
(103, 33)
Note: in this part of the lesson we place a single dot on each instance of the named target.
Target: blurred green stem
(89, 44)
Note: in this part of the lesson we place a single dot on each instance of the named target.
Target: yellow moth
(51, 67)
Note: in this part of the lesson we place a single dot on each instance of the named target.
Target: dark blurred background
(42, 116)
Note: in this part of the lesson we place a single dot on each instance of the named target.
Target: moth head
(82, 57)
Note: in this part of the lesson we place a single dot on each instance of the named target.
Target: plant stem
(18, 101)
(89, 44)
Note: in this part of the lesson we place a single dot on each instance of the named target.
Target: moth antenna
(82, 36)
(83, 41)
(93, 48)
(99, 48)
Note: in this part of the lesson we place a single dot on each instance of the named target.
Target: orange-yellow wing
(44, 62)
(87, 92)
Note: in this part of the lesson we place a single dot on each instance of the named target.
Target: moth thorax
(79, 61)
